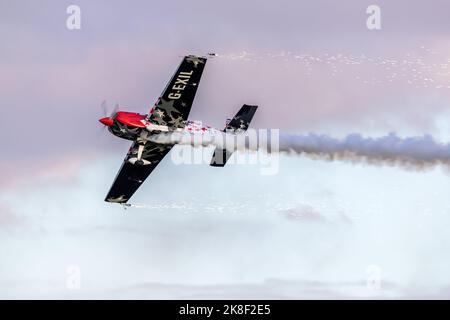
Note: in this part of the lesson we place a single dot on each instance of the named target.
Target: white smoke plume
(415, 153)
(412, 152)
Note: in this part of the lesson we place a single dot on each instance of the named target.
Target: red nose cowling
(107, 121)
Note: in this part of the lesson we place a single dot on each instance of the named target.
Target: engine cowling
(131, 119)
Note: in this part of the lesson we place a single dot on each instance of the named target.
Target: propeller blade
(101, 131)
(113, 113)
(104, 107)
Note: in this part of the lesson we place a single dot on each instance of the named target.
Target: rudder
(239, 124)
(241, 120)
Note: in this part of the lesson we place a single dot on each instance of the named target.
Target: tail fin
(239, 124)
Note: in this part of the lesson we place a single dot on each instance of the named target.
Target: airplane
(169, 114)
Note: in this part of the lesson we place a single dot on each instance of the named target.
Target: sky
(313, 229)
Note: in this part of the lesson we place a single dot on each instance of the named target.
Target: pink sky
(311, 66)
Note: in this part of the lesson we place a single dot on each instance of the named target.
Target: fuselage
(129, 125)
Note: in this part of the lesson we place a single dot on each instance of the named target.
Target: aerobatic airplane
(169, 114)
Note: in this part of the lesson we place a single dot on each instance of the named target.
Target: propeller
(105, 108)
(107, 120)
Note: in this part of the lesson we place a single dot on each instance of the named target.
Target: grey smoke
(419, 152)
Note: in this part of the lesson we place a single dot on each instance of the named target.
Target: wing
(131, 176)
(173, 107)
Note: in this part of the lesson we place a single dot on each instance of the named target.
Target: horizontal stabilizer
(220, 157)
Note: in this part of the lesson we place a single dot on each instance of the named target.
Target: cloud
(307, 213)
(7, 218)
(230, 239)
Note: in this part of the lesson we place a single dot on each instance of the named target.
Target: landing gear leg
(139, 155)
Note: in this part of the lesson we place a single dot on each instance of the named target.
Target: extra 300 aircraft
(169, 114)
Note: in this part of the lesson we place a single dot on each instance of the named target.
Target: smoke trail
(413, 152)
(420, 152)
